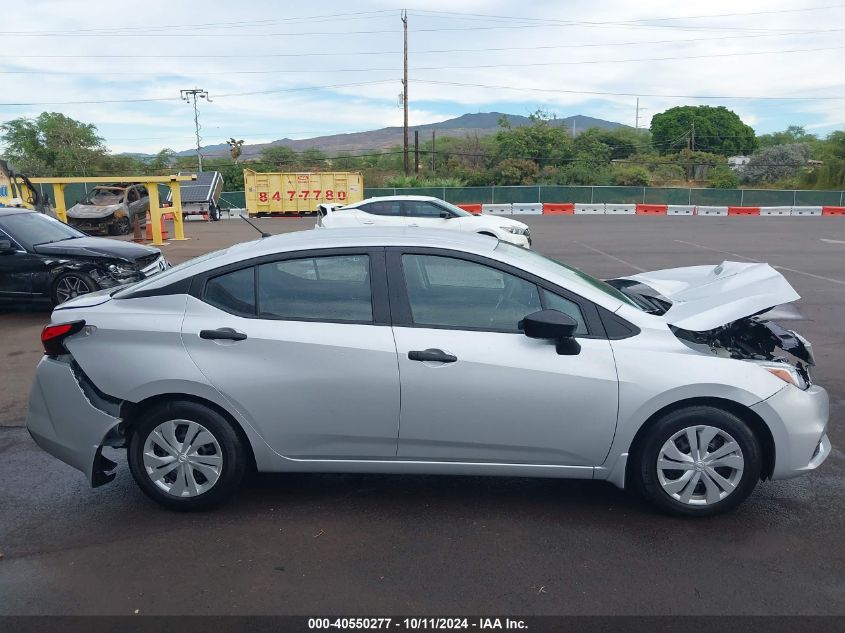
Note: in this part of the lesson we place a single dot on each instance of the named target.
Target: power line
(626, 94)
(219, 96)
(420, 52)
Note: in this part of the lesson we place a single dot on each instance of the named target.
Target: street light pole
(191, 96)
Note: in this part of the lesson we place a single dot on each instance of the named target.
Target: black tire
(213, 213)
(120, 226)
(233, 453)
(65, 282)
(644, 471)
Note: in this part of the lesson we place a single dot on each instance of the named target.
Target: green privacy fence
(555, 193)
(77, 192)
(621, 195)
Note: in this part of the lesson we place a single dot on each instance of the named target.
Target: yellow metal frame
(150, 182)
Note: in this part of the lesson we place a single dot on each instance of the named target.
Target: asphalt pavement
(368, 545)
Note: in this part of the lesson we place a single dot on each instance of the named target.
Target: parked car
(111, 209)
(44, 259)
(423, 212)
(290, 353)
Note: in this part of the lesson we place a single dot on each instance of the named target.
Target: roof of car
(4, 211)
(389, 198)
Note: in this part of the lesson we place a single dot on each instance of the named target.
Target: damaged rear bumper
(63, 421)
(798, 422)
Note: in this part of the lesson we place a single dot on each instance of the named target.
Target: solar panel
(200, 190)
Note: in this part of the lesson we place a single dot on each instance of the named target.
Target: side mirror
(6, 247)
(445, 215)
(553, 325)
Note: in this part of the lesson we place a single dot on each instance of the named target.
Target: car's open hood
(707, 297)
(91, 211)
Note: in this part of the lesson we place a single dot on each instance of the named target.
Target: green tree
(792, 134)
(722, 177)
(776, 163)
(277, 158)
(542, 142)
(710, 129)
(631, 176)
(162, 161)
(52, 145)
(516, 171)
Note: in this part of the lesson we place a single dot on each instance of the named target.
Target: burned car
(111, 209)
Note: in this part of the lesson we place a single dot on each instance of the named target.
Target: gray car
(421, 351)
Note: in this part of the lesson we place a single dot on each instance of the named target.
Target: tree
(792, 134)
(312, 158)
(631, 176)
(706, 128)
(52, 145)
(722, 177)
(541, 141)
(776, 163)
(163, 160)
(516, 171)
(235, 148)
(278, 157)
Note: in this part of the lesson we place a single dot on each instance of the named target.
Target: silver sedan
(417, 351)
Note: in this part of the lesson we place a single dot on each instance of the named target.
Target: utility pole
(692, 137)
(637, 119)
(416, 151)
(433, 153)
(405, 90)
(190, 96)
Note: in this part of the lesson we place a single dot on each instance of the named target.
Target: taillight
(53, 336)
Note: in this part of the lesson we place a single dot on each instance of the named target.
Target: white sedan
(425, 212)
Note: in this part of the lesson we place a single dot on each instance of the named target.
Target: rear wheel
(213, 213)
(698, 461)
(186, 456)
(71, 285)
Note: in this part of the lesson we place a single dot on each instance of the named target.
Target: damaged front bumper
(64, 422)
(797, 420)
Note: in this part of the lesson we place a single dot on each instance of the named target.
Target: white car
(425, 212)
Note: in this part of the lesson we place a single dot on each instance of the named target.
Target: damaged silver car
(111, 209)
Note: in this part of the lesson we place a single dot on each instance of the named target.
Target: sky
(298, 70)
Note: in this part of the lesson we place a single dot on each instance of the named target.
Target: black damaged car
(42, 258)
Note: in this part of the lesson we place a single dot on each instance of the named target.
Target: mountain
(480, 123)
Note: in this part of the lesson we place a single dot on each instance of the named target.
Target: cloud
(578, 46)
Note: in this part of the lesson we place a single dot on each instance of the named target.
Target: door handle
(367, 222)
(222, 334)
(413, 225)
(432, 356)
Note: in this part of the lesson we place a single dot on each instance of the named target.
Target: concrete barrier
(496, 209)
(652, 209)
(806, 210)
(527, 208)
(475, 209)
(779, 211)
(743, 210)
(620, 209)
(680, 209)
(833, 210)
(711, 210)
(589, 209)
(558, 208)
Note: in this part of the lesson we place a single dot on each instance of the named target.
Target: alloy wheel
(70, 287)
(182, 458)
(700, 465)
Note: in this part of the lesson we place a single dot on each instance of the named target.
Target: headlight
(786, 373)
(515, 230)
(118, 270)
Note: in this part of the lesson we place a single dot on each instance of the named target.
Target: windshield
(559, 268)
(32, 228)
(105, 196)
(453, 208)
(156, 279)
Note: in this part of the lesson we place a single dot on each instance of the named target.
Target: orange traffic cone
(164, 234)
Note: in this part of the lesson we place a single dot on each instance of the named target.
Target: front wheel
(121, 226)
(71, 285)
(698, 461)
(186, 456)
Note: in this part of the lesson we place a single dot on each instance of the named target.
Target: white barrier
(805, 210)
(620, 209)
(496, 209)
(711, 210)
(680, 209)
(527, 208)
(589, 209)
(781, 211)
